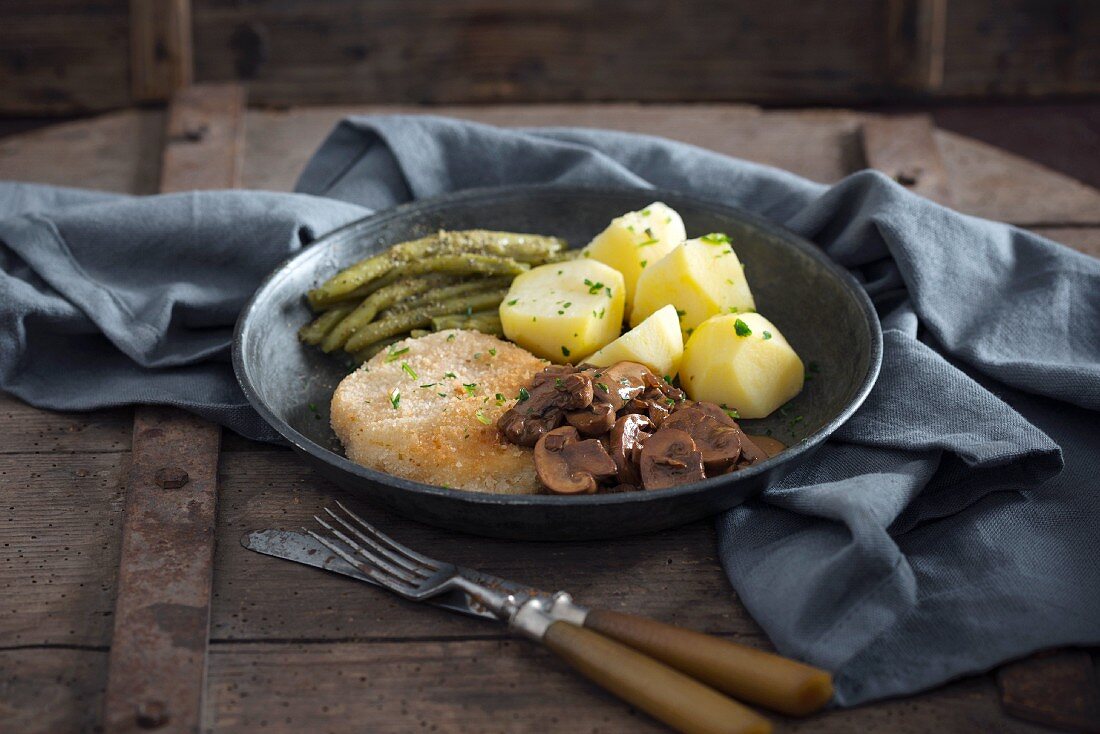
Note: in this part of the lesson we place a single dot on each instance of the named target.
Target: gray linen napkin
(939, 532)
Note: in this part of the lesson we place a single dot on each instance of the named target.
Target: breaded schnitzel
(426, 409)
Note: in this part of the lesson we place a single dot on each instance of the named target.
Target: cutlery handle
(666, 694)
(759, 677)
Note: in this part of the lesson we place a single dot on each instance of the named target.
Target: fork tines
(380, 557)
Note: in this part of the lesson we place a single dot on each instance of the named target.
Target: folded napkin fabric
(953, 523)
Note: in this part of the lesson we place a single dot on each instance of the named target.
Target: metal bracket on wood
(904, 148)
(156, 670)
(160, 48)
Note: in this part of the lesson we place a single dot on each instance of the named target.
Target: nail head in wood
(152, 714)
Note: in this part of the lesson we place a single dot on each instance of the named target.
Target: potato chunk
(563, 311)
(743, 362)
(636, 240)
(701, 277)
(656, 343)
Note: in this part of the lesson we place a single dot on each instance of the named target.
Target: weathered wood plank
(64, 57)
(992, 183)
(499, 686)
(674, 576)
(460, 686)
(204, 141)
(1058, 689)
(1082, 239)
(52, 691)
(117, 152)
(160, 48)
(822, 145)
(29, 430)
(904, 148)
(915, 39)
(59, 547)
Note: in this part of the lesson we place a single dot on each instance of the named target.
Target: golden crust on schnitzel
(426, 409)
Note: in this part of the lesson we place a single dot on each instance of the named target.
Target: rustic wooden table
(296, 650)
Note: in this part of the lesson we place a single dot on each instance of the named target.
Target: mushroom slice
(719, 444)
(669, 458)
(750, 452)
(596, 420)
(767, 444)
(567, 465)
(627, 437)
(623, 380)
(553, 391)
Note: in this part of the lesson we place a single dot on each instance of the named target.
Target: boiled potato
(701, 277)
(636, 240)
(741, 361)
(656, 342)
(563, 311)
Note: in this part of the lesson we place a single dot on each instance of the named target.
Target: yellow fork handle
(666, 694)
(755, 676)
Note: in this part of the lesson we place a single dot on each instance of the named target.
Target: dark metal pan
(820, 308)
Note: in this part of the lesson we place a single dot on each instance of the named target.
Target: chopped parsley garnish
(680, 313)
(741, 328)
(564, 352)
(452, 375)
(523, 394)
(650, 241)
(730, 411)
(668, 379)
(593, 288)
(493, 352)
(469, 387)
(500, 398)
(513, 302)
(559, 383)
(767, 335)
(716, 238)
(477, 355)
(392, 355)
(643, 262)
(450, 337)
(645, 212)
(603, 387)
(409, 370)
(395, 398)
(690, 331)
(482, 417)
(608, 291)
(599, 314)
(430, 384)
(567, 304)
(313, 409)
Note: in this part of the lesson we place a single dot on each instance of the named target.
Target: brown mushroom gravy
(623, 428)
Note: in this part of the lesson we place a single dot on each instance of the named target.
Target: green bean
(368, 269)
(422, 317)
(372, 304)
(315, 331)
(446, 293)
(455, 265)
(487, 322)
(524, 248)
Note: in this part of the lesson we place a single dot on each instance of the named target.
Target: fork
(669, 672)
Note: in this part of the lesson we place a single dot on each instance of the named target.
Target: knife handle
(759, 677)
(666, 694)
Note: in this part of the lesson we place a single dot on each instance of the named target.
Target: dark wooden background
(66, 57)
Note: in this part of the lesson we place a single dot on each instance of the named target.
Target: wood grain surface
(295, 649)
(71, 56)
